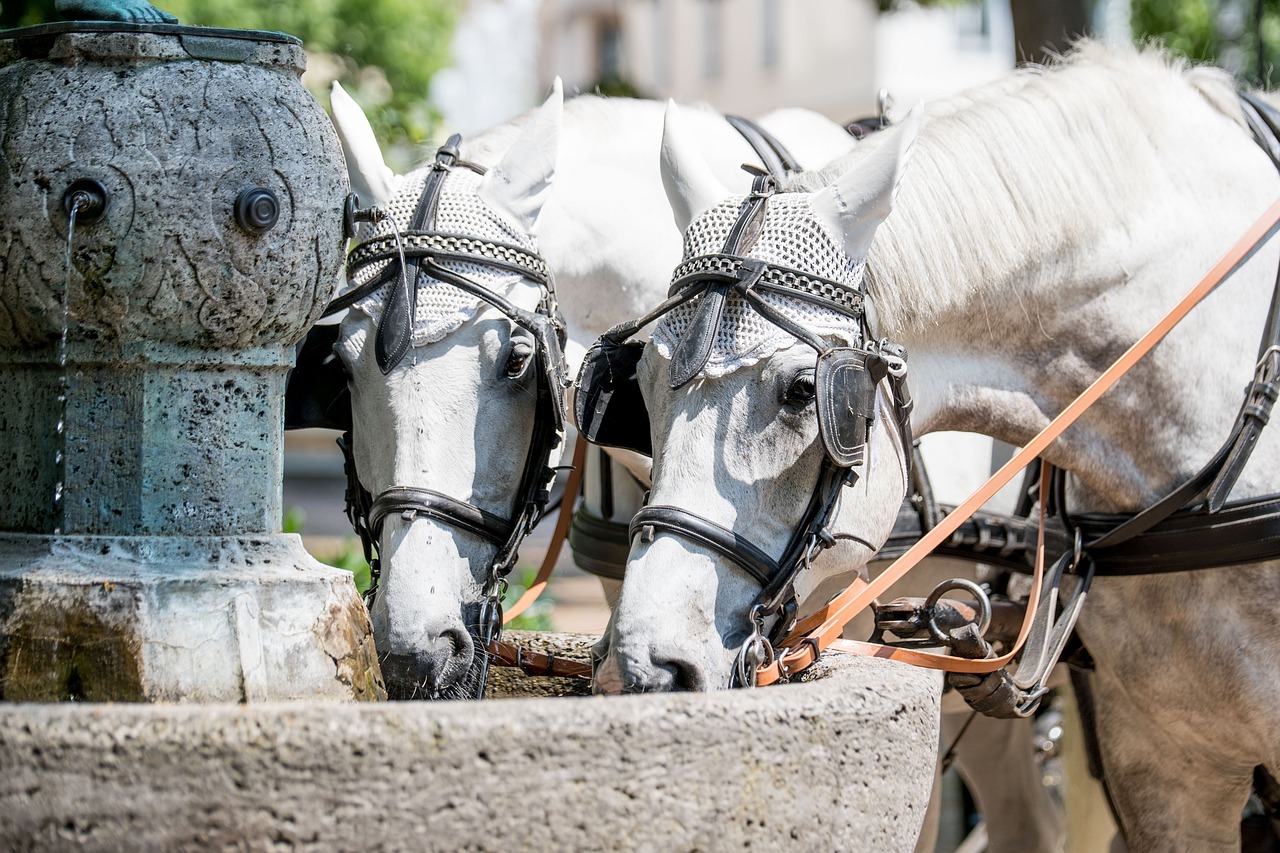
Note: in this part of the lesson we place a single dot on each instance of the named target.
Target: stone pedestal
(141, 384)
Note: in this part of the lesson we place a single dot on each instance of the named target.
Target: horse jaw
(725, 453)
(371, 179)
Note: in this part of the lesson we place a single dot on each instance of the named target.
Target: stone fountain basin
(843, 761)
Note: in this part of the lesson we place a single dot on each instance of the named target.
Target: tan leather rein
(822, 630)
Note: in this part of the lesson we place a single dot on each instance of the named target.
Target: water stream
(60, 428)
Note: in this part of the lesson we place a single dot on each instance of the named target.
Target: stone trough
(842, 762)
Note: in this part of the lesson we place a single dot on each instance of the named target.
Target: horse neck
(1004, 335)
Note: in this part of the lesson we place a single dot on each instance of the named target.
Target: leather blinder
(846, 380)
(317, 394)
(695, 345)
(608, 406)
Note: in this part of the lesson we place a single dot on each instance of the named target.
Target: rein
(822, 630)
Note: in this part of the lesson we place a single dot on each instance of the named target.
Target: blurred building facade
(740, 56)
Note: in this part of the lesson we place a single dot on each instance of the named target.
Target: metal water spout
(208, 191)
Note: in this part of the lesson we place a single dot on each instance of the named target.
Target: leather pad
(608, 407)
(317, 393)
(846, 380)
(695, 345)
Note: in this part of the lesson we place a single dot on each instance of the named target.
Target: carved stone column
(141, 440)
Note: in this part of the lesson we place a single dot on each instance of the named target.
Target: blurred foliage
(382, 51)
(538, 616)
(1202, 30)
(615, 86)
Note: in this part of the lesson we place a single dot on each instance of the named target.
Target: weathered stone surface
(172, 619)
(842, 763)
(174, 138)
(143, 362)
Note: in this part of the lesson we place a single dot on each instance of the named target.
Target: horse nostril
(682, 674)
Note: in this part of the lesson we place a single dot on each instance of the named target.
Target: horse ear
(520, 184)
(861, 198)
(370, 177)
(692, 188)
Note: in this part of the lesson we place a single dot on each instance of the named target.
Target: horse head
(452, 323)
(778, 422)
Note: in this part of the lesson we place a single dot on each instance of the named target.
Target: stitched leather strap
(442, 507)
(687, 525)
(822, 631)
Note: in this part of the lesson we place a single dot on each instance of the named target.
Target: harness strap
(395, 329)
(775, 156)
(823, 629)
(571, 487)
(411, 500)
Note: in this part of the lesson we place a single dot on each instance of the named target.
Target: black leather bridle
(846, 377)
(420, 249)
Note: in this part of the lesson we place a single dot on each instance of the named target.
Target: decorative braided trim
(421, 243)
(774, 276)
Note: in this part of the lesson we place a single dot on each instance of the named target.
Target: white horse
(419, 424)
(1044, 223)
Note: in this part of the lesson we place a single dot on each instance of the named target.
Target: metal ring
(754, 653)
(984, 606)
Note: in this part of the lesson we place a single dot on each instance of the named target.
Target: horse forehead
(791, 235)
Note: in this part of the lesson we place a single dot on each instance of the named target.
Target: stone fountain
(143, 355)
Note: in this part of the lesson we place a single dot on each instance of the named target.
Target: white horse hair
(1045, 222)
(611, 260)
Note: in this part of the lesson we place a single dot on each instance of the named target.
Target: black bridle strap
(442, 507)
(688, 525)
(395, 328)
(775, 156)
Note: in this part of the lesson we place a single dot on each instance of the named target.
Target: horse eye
(518, 359)
(801, 390)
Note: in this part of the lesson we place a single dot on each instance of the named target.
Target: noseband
(846, 379)
(421, 249)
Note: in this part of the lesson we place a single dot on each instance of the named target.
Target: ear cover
(846, 380)
(860, 199)
(692, 188)
(520, 184)
(608, 407)
(317, 393)
(371, 179)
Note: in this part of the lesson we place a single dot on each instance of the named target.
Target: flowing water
(60, 428)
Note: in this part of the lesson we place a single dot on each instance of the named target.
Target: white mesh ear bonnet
(791, 237)
(443, 308)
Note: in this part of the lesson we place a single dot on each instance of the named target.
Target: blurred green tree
(1241, 35)
(382, 51)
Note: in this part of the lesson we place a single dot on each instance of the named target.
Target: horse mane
(1033, 165)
